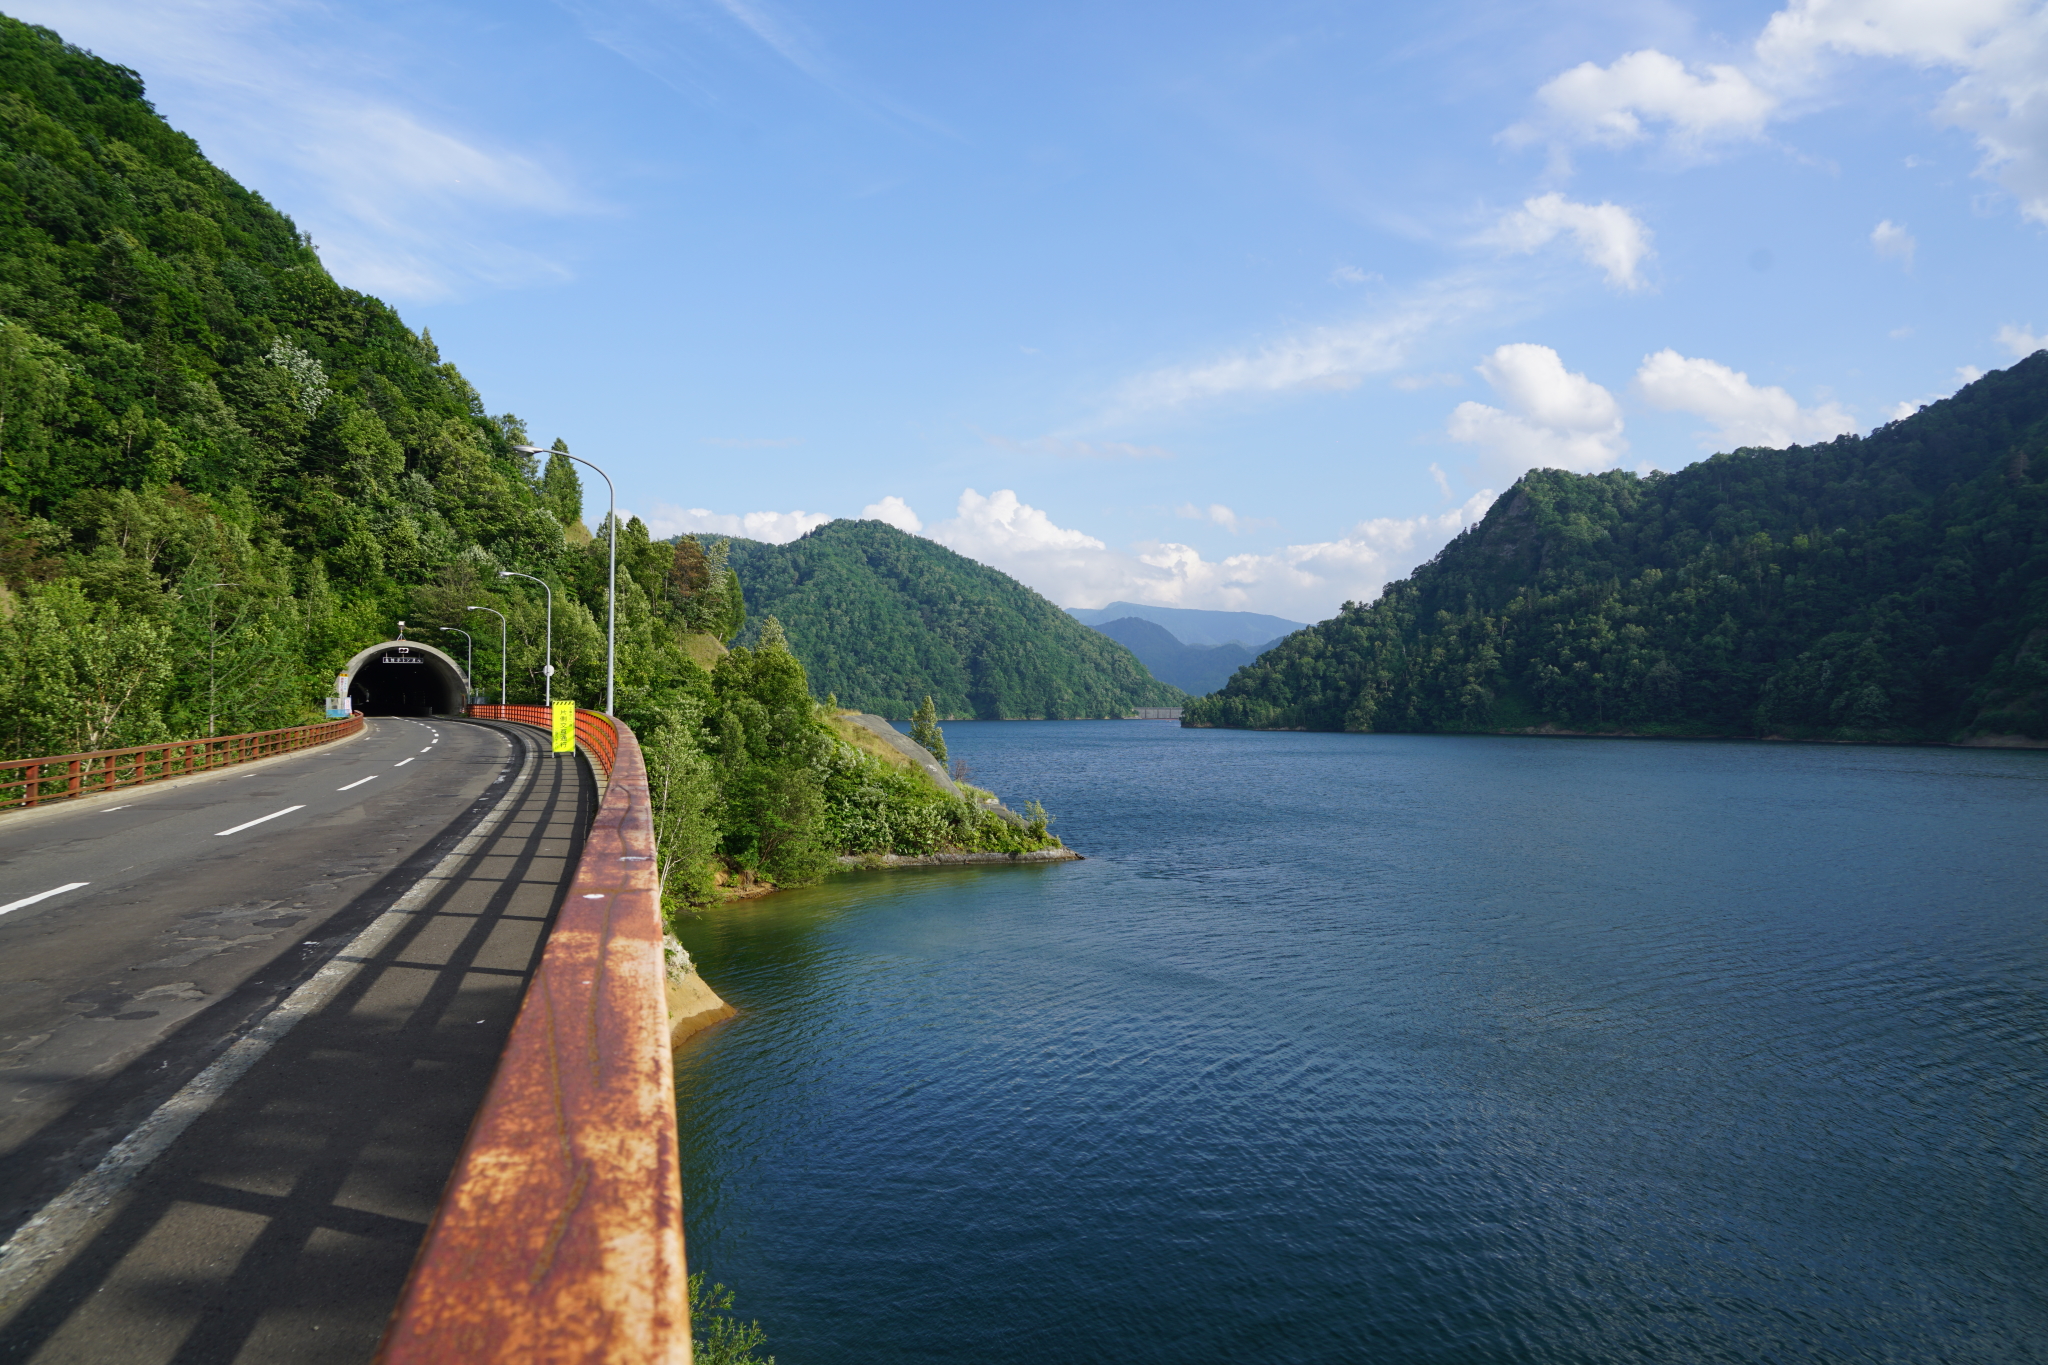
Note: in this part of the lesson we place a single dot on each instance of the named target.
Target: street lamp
(469, 673)
(501, 648)
(611, 592)
(547, 672)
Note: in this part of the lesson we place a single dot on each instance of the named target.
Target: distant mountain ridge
(882, 618)
(1195, 627)
(1891, 587)
(1195, 669)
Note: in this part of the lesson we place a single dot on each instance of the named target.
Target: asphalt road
(142, 934)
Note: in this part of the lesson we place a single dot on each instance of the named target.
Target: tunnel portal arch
(404, 678)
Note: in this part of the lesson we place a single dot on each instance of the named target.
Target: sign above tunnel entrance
(402, 655)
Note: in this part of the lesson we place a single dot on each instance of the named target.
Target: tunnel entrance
(404, 678)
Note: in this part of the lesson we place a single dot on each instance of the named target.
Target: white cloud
(1409, 383)
(1967, 374)
(773, 527)
(1606, 235)
(401, 203)
(1334, 357)
(1743, 413)
(1609, 105)
(1893, 242)
(1997, 48)
(896, 512)
(1351, 274)
(1306, 582)
(1558, 419)
(2020, 341)
(1217, 514)
(1899, 412)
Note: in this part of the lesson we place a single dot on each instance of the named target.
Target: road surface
(376, 904)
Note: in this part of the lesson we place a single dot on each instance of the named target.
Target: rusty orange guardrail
(594, 729)
(559, 1237)
(23, 780)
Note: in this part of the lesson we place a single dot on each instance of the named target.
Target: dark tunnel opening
(400, 683)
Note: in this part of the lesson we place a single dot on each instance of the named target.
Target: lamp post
(468, 673)
(501, 648)
(547, 672)
(611, 592)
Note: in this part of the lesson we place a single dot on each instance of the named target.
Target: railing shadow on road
(559, 1237)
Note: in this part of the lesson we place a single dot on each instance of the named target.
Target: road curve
(143, 935)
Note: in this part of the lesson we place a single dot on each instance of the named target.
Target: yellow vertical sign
(565, 727)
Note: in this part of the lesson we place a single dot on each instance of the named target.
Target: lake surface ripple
(1401, 1048)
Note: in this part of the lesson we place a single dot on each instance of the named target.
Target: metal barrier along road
(594, 730)
(40, 781)
(560, 1236)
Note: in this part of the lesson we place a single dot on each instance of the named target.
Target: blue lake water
(1401, 1048)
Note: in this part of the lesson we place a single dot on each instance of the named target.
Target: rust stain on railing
(560, 1235)
(101, 770)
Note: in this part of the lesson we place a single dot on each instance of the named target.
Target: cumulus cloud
(1893, 242)
(774, 527)
(896, 512)
(1610, 105)
(2021, 342)
(1605, 235)
(1554, 419)
(1304, 581)
(1998, 50)
(1742, 413)
(1333, 357)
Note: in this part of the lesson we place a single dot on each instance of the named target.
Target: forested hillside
(1888, 587)
(883, 618)
(222, 473)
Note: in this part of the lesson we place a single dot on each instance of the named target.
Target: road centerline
(357, 783)
(41, 896)
(257, 821)
(402, 762)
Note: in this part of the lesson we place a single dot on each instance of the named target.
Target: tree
(924, 728)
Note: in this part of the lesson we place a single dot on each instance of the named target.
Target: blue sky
(1224, 306)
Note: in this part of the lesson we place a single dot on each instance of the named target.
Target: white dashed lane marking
(257, 821)
(357, 783)
(403, 761)
(42, 896)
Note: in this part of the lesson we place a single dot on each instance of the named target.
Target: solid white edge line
(357, 783)
(62, 1222)
(42, 896)
(257, 821)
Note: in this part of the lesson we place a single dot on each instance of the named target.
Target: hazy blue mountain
(1192, 627)
(1198, 669)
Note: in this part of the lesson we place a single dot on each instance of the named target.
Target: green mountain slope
(882, 618)
(1888, 587)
